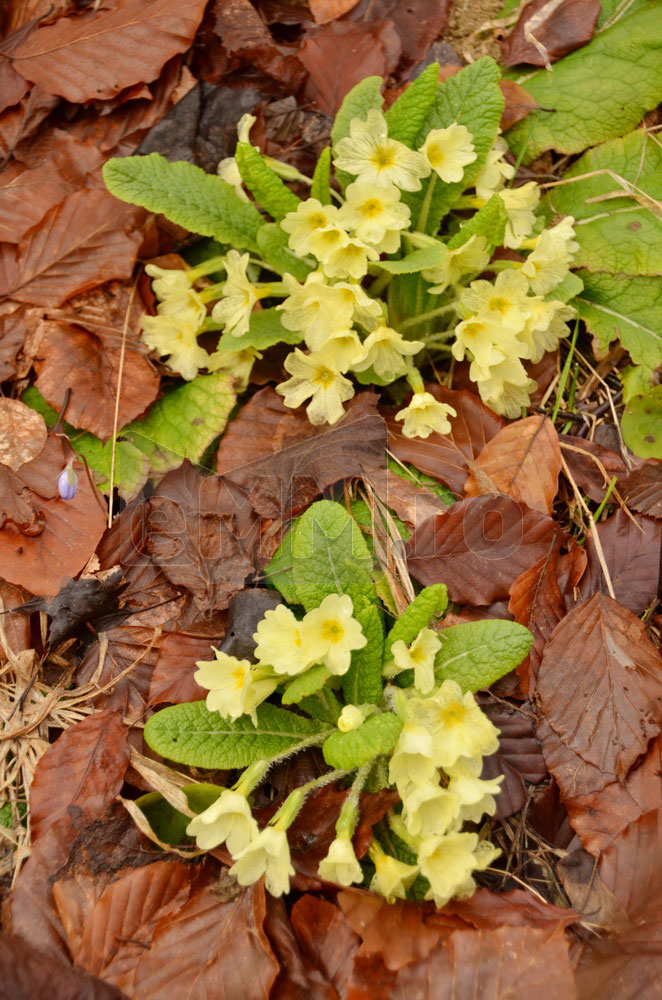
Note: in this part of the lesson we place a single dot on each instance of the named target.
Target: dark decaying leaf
(642, 489)
(125, 672)
(479, 547)
(28, 975)
(87, 239)
(243, 33)
(558, 28)
(59, 536)
(446, 457)
(299, 975)
(417, 22)
(413, 504)
(523, 460)
(547, 815)
(519, 757)
(632, 549)
(12, 336)
(630, 865)
(325, 938)
(586, 460)
(283, 463)
(172, 681)
(22, 120)
(600, 691)
(518, 104)
(80, 773)
(98, 53)
(588, 893)
(74, 361)
(341, 54)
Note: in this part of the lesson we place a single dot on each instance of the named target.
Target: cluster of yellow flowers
(345, 327)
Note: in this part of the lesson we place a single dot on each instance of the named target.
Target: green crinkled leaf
(264, 184)
(168, 823)
(637, 381)
(642, 424)
(629, 308)
(191, 734)
(416, 261)
(406, 116)
(356, 104)
(472, 98)
(377, 735)
(321, 186)
(278, 572)
(184, 422)
(322, 705)
(362, 684)
(265, 328)
(489, 221)
(571, 286)
(272, 242)
(596, 93)
(476, 654)
(188, 196)
(330, 556)
(307, 683)
(621, 234)
(131, 465)
(430, 603)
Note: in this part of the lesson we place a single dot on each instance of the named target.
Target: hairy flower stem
(349, 814)
(291, 807)
(425, 207)
(424, 317)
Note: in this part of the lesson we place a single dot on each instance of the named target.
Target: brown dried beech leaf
(519, 756)
(81, 772)
(518, 104)
(586, 461)
(243, 33)
(600, 689)
(71, 359)
(65, 532)
(324, 11)
(210, 949)
(172, 678)
(23, 433)
(325, 938)
(446, 456)
(642, 489)
(87, 239)
(558, 27)
(97, 54)
(13, 329)
(599, 817)
(28, 975)
(523, 460)
(493, 965)
(130, 648)
(632, 553)
(417, 22)
(630, 865)
(479, 547)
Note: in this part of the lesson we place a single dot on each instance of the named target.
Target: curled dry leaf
(558, 26)
(487, 910)
(80, 773)
(130, 651)
(22, 120)
(479, 547)
(243, 33)
(417, 22)
(600, 690)
(95, 55)
(523, 460)
(87, 239)
(447, 457)
(642, 489)
(631, 549)
(76, 360)
(62, 534)
(23, 433)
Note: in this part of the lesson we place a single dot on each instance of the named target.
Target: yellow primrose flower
(471, 258)
(372, 212)
(506, 388)
(269, 855)
(449, 151)
(350, 260)
(425, 415)
(375, 159)
(412, 762)
(429, 809)
(283, 642)
(227, 820)
(177, 337)
(351, 717)
(489, 342)
(323, 242)
(496, 171)
(520, 205)
(310, 216)
(336, 633)
(342, 348)
(475, 794)
(239, 364)
(167, 282)
(419, 657)
(228, 171)
(235, 688)
(458, 726)
(340, 865)
(386, 350)
(392, 878)
(507, 297)
(317, 308)
(447, 863)
(545, 327)
(233, 311)
(315, 375)
(549, 263)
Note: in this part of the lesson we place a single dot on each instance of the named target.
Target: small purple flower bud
(67, 484)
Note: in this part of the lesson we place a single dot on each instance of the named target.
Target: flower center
(238, 677)
(323, 377)
(371, 208)
(499, 305)
(383, 157)
(332, 630)
(436, 155)
(317, 221)
(453, 715)
(417, 655)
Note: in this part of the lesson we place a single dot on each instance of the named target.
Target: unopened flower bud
(67, 483)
